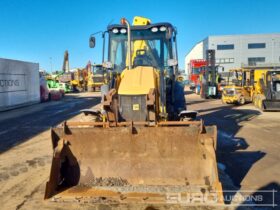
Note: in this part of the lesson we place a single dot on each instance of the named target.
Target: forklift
(210, 78)
(239, 88)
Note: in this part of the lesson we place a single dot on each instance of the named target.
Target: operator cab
(97, 69)
(152, 45)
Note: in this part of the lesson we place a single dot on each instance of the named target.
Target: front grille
(229, 92)
(133, 108)
(98, 79)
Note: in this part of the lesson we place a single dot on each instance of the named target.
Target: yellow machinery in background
(80, 79)
(141, 147)
(96, 77)
(239, 88)
(266, 95)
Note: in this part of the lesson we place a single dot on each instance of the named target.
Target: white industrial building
(233, 51)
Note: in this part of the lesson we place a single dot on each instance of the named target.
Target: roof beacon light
(123, 21)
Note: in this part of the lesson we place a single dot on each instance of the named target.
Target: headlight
(154, 29)
(123, 31)
(162, 28)
(230, 91)
(115, 30)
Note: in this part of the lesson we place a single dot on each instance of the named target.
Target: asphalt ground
(248, 147)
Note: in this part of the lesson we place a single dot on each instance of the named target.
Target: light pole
(51, 64)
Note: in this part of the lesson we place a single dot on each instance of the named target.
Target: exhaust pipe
(125, 22)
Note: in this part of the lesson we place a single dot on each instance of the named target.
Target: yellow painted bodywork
(96, 84)
(258, 75)
(74, 82)
(258, 92)
(91, 77)
(230, 98)
(138, 81)
(141, 79)
(244, 91)
(141, 21)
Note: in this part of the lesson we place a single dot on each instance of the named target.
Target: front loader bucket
(269, 105)
(166, 163)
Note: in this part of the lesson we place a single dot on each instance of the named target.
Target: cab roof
(139, 27)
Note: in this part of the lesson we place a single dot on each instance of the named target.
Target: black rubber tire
(242, 100)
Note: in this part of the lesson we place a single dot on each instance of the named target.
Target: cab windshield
(148, 49)
(97, 69)
(196, 70)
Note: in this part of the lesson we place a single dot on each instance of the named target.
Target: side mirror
(172, 62)
(92, 42)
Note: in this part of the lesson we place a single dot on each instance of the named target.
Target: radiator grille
(229, 92)
(98, 79)
(133, 108)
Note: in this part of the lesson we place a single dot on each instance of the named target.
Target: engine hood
(138, 81)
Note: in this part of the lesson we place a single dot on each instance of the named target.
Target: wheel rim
(242, 100)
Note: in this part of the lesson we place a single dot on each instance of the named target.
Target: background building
(233, 51)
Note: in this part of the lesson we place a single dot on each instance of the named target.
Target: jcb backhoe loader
(96, 77)
(142, 148)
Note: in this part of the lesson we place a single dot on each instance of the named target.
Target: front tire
(197, 91)
(241, 100)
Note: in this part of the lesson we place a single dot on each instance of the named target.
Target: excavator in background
(239, 88)
(143, 146)
(65, 76)
(60, 80)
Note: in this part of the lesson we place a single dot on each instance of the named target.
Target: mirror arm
(97, 33)
(103, 37)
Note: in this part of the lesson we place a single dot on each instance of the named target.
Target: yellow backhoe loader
(144, 146)
(96, 77)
